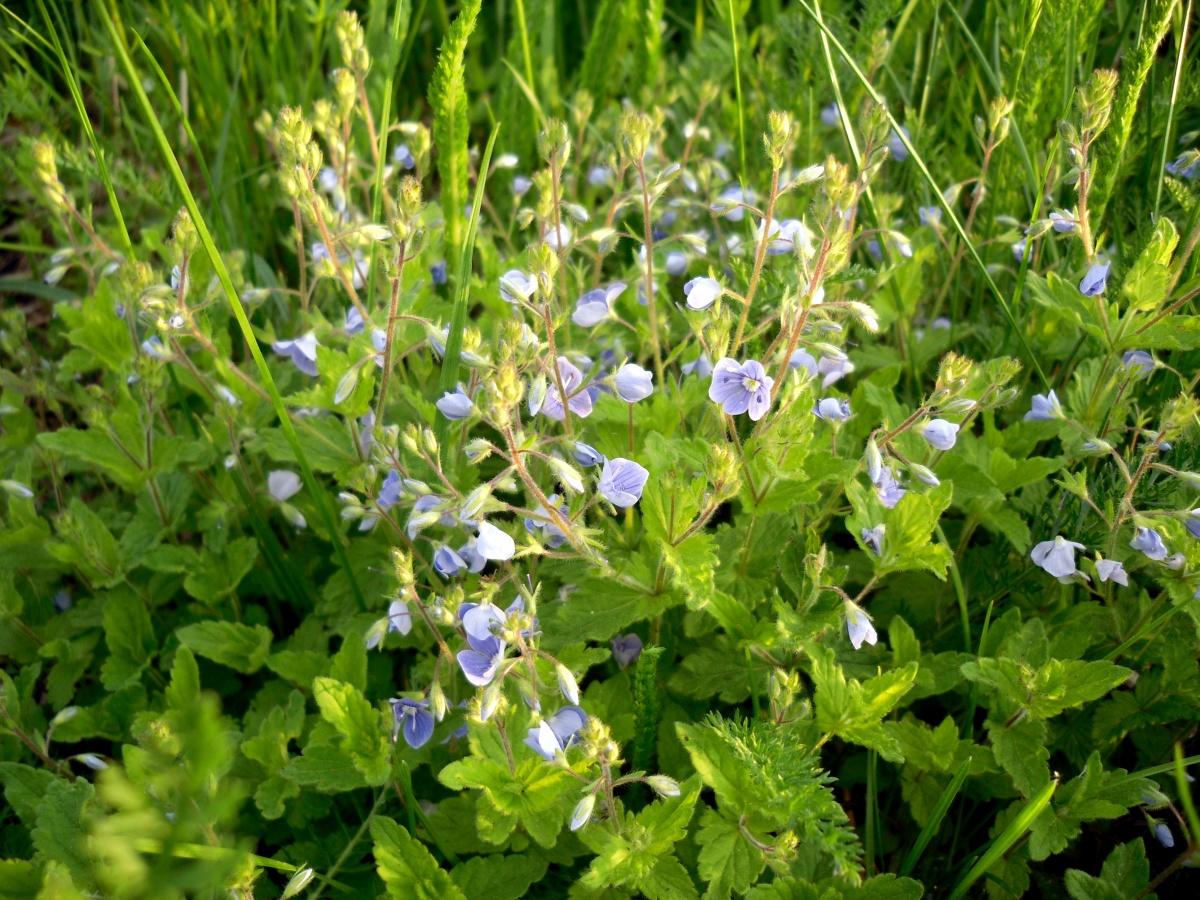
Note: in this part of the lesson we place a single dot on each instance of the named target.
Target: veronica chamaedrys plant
(702, 641)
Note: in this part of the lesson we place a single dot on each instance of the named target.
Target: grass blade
(934, 823)
(1162, 165)
(458, 321)
(222, 272)
(1006, 840)
(915, 156)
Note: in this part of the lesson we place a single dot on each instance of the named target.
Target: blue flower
(888, 488)
(542, 524)
(832, 409)
(833, 368)
(626, 648)
(520, 184)
(896, 144)
(930, 216)
(1057, 556)
(701, 292)
(554, 735)
(873, 538)
(1062, 221)
(940, 434)
(414, 720)
(701, 366)
(858, 626)
(447, 563)
(302, 351)
(1111, 570)
(596, 305)
(517, 286)
(788, 236)
(830, 115)
(482, 626)
(354, 321)
(1180, 167)
(1149, 542)
(677, 263)
(587, 455)
(456, 405)
(1162, 834)
(403, 157)
(634, 383)
(1192, 523)
(1096, 280)
(1018, 250)
(599, 176)
(802, 359)
(622, 481)
(731, 203)
(1138, 359)
(438, 272)
(579, 401)
(1044, 408)
(741, 387)
(494, 544)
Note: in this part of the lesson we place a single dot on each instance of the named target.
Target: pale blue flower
(482, 626)
(622, 481)
(1018, 250)
(832, 409)
(414, 720)
(634, 383)
(1149, 542)
(741, 387)
(730, 203)
(858, 626)
(354, 321)
(438, 272)
(626, 648)
(579, 401)
(930, 216)
(596, 305)
(701, 292)
(1138, 359)
(896, 144)
(554, 735)
(587, 455)
(677, 263)
(802, 359)
(403, 157)
(447, 563)
(1111, 570)
(940, 434)
(1044, 408)
(282, 485)
(873, 538)
(455, 405)
(1062, 221)
(830, 115)
(1056, 556)
(521, 184)
(1096, 280)
(302, 351)
(701, 366)
(551, 534)
(494, 544)
(517, 286)
(599, 176)
(888, 488)
(833, 368)
(1192, 523)
(1162, 834)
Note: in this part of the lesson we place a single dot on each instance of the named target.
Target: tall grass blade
(1166, 147)
(452, 357)
(934, 823)
(222, 272)
(932, 182)
(1006, 840)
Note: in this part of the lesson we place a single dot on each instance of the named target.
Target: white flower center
(750, 384)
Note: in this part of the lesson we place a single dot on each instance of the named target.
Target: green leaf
(854, 710)
(87, 544)
(130, 638)
(326, 768)
(360, 725)
(61, 832)
(600, 609)
(1020, 749)
(95, 449)
(240, 647)
(20, 879)
(406, 867)
(1124, 874)
(498, 877)
(1049, 689)
(217, 574)
(728, 862)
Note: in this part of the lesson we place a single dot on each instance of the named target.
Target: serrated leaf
(360, 725)
(232, 644)
(325, 768)
(728, 862)
(61, 833)
(129, 636)
(498, 877)
(406, 867)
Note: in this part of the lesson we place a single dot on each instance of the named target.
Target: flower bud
(663, 786)
(567, 684)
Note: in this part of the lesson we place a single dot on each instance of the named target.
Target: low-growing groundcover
(600, 450)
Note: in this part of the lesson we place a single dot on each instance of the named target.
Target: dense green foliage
(666, 448)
